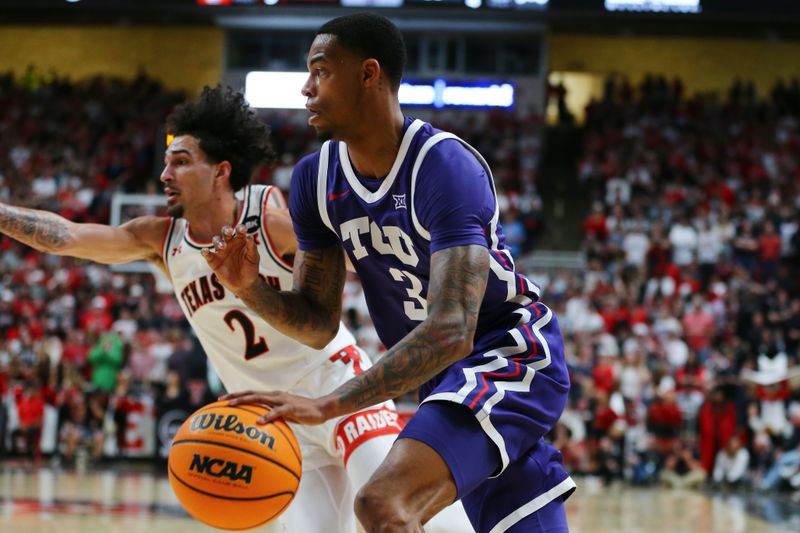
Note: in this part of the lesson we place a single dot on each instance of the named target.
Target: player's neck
(374, 147)
(208, 221)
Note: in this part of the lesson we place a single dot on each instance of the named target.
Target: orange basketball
(231, 473)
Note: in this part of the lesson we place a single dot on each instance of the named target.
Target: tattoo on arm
(455, 293)
(310, 272)
(44, 231)
(312, 310)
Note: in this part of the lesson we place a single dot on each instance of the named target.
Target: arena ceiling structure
(774, 19)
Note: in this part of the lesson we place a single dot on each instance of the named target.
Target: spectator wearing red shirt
(613, 314)
(595, 225)
(606, 371)
(716, 425)
(665, 421)
(97, 318)
(75, 352)
(30, 412)
(604, 416)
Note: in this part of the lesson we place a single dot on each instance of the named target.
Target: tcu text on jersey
(389, 240)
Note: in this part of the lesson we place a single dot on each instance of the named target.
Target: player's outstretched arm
(310, 312)
(457, 283)
(48, 232)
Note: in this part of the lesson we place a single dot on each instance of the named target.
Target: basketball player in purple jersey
(416, 211)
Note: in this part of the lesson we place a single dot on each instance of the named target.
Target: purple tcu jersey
(438, 194)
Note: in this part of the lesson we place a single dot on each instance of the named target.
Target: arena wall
(181, 57)
(707, 64)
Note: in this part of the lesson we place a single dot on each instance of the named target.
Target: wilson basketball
(229, 472)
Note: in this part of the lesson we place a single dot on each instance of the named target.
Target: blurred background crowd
(681, 322)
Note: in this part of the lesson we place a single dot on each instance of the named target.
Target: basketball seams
(276, 515)
(296, 452)
(241, 408)
(239, 449)
(215, 405)
(231, 498)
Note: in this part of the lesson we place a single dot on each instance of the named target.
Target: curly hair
(227, 129)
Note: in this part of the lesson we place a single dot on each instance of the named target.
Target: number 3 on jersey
(253, 348)
(416, 309)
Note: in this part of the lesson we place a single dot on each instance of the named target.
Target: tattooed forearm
(311, 272)
(46, 232)
(292, 314)
(311, 311)
(457, 284)
(425, 352)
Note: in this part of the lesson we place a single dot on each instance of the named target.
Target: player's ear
(370, 72)
(223, 170)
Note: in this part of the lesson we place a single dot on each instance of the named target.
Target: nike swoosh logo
(332, 196)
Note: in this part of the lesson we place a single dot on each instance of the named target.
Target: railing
(549, 260)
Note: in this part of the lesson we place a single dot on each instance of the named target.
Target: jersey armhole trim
(322, 185)
(415, 171)
(276, 257)
(278, 197)
(167, 239)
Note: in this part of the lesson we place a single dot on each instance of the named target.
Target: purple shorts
(487, 415)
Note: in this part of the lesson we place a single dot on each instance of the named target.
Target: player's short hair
(371, 36)
(227, 129)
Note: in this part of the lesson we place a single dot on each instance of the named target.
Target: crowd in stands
(92, 347)
(73, 333)
(683, 332)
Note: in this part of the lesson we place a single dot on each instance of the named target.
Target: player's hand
(290, 407)
(234, 258)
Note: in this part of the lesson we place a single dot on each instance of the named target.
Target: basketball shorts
(487, 415)
(333, 442)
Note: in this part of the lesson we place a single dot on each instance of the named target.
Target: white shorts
(333, 442)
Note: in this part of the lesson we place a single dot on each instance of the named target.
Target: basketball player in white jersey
(218, 142)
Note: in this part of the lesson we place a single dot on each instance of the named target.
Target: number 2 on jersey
(416, 309)
(253, 348)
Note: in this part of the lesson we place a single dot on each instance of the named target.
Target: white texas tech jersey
(245, 350)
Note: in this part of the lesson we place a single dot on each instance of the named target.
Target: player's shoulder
(440, 143)
(447, 151)
(308, 164)
(149, 226)
(150, 230)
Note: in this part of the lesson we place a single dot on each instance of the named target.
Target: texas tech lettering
(231, 424)
(214, 467)
(207, 289)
